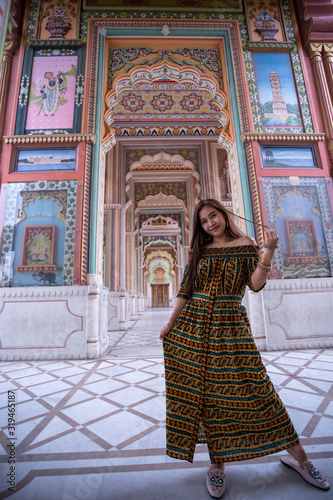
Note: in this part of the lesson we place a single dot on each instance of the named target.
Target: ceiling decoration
(165, 106)
(174, 5)
(166, 100)
(198, 57)
(161, 161)
(161, 200)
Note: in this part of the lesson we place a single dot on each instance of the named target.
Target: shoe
(215, 481)
(309, 473)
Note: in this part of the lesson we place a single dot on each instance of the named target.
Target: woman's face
(212, 221)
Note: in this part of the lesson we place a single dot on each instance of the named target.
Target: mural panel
(38, 248)
(38, 234)
(279, 105)
(52, 91)
(35, 160)
(288, 157)
(302, 216)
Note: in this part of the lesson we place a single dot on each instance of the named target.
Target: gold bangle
(264, 270)
(263, 267)
(266, 266)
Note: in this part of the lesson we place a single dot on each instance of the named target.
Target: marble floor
(95, 429)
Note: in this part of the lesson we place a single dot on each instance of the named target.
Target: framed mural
(51, 92)
(299, 209)
(38, 249)
(278, 98)
(38, 238)
(302, 241)
(288, 157)
(46, 160)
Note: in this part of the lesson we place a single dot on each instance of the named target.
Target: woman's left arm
(260, 274)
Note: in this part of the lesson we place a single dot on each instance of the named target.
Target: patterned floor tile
(87, 411)
(120, 427)
(95, 429)
(300, 399)
(130, 395)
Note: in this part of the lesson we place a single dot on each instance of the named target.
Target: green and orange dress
(217, 388)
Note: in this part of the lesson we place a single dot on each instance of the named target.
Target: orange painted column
(315, 53)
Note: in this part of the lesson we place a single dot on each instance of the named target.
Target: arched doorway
(165, 123)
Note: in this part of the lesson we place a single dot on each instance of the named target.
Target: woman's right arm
(179, 306)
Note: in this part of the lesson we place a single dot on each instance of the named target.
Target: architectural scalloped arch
(161, 200)
(159, 254)
(157, 72)
(169, 222)
(162, 160)
(158, 240)
(159, 262)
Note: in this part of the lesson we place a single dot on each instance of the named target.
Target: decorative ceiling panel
(193, 5)
(166, 106)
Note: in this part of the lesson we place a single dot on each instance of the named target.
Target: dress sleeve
(252, 262)
(182, 292)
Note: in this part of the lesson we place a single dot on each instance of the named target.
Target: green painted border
(93, 223)
(4, 30)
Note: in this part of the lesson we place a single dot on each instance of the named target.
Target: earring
(206, 239)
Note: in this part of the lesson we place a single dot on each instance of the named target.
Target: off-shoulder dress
(217, 388)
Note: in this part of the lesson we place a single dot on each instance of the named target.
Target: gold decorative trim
(254, 194)
(282, 137)
(46, 139)
(270, 46)
(85, 218)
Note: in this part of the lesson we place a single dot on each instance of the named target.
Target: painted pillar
(325, 99)
(328, 64)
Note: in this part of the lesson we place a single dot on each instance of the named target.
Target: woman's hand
(180, 303)
(166, 329)
(270, 237)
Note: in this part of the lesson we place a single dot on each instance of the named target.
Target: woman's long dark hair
(200, 238)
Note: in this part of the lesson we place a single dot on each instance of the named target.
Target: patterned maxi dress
(217, 388)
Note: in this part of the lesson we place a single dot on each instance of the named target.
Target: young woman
(217, 388)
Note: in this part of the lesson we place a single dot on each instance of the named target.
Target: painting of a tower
(280, 113)
(276, 87)
(279, 104)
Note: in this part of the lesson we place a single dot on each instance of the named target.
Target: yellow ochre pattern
(217, 387)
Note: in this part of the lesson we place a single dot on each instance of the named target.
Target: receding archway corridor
(95, 429)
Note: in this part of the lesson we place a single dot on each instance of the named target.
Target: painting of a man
(52, 93)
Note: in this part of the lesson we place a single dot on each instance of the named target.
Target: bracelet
(263, 267)
(266, 266)
(271, 246)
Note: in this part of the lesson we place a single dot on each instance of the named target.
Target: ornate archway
(156, 97)
(164, 92)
